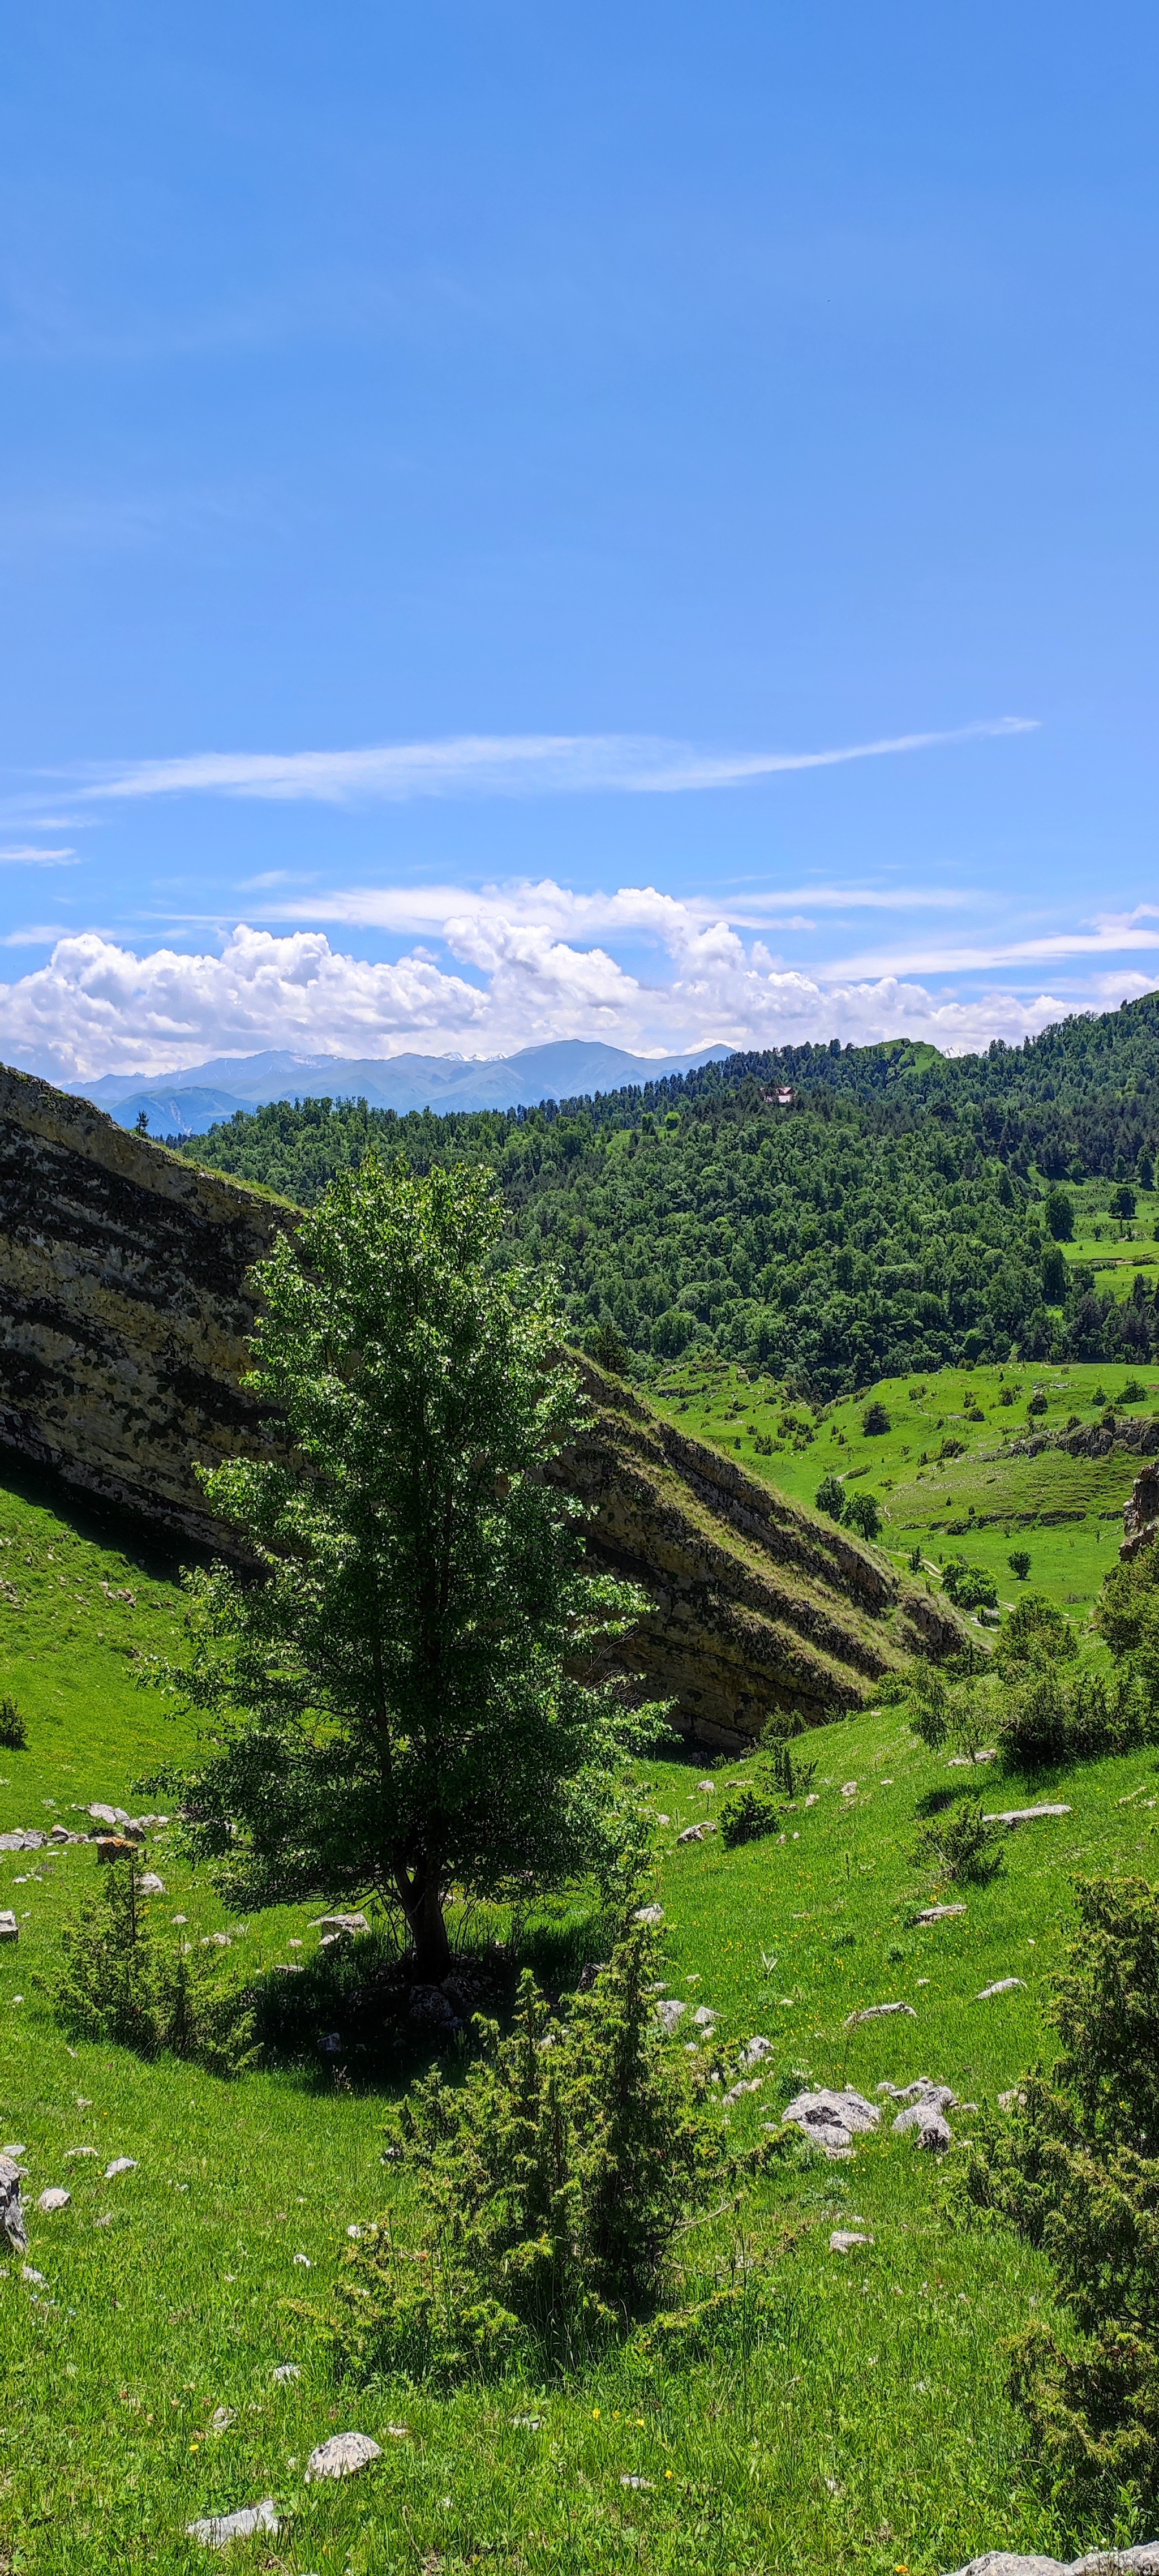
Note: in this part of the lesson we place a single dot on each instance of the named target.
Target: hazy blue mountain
(188, 1102)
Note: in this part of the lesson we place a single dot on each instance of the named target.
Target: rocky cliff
(124, 1311)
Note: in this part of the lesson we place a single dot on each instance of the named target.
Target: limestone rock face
(123, 1305)
(1141, 1517)
(125, 1308)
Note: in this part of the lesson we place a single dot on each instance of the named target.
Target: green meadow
(855, 2418)
(977, 1502)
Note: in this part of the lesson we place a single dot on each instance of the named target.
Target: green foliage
(1127, 1614)
(552, 2181)
(1123, 1201)
(392, 1702)
(1019, 1562)
(875, 1420)
(120, 1978)
(863, 1514)
(958, 1843)
(968, 1586)
(1055, 1275)
(1060, 1215)
(792, 1777)
(1038, 1403)
(751, 1809)
(1076, 2172)
(930, 1706)
(889, 1224)
(1051, 1718)
(13, 1730)
(1034, 1633)
(830, 1497)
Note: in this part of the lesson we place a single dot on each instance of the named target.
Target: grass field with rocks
(855, 2417)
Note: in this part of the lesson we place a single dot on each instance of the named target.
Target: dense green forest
(896, 1216)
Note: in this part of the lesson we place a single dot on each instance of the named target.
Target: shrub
(1047, 1720)
(875, 1420)
(794, 1777)
(930, 1707)
(1134, 1392)
(960, 1843)
(1076, 2171)
(1035, 1633)
(120, 1980)
(750, 1810)
(830, 1497)
(862, 1514)
(1037, 1403)
(553, 2180)
(1127, 1614)
(13, 1731)
(1019, 1563)
(968, 1587)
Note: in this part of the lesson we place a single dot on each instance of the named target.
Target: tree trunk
(422, 1906)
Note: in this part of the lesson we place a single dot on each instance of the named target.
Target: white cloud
(25, 855)
(499, 765)
(96, 1007)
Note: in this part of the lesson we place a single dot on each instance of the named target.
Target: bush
(830, 1497)
(13, 1731)
(930, 1707)
(1035, 1633)
(875, 1420)
(863, 1515)
(1019, 1563)
(1134, 1392)
(120, 1980)
(1038, 1403)
(553, 2181)
(1076, 2171)
(960, 1843)
(749, 1811)
(1046, 1720)
(967, 1586)
(794, 1777)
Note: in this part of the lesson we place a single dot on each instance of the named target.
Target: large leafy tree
(391, 1694)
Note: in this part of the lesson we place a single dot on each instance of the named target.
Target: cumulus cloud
(97, 1007)
(500, 765)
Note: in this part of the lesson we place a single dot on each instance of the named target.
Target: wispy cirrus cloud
(501, 765)
(25, 855)
(1107, 935)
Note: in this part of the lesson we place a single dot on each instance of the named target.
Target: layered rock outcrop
(1141, 1514)
(124, 1311)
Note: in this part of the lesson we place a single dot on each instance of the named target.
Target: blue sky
(454, 456)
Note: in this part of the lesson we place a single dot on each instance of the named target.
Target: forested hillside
(894, 1216)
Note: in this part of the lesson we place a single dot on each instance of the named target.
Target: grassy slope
(869, 2431)
(1069, 1557)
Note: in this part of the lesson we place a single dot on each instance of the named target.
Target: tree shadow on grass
(353, 2018)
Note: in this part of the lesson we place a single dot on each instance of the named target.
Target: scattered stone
(832, 2121)
(105, 2219)
(707, 1784)
(956, 1760)
(703, 2017)
(13, 2232)
(339, 1924)
(355, 2232)
(844, 2239)
(648, 1914)
(107, 1815)
(644, 2485)
(341, 2456)
(754, 2050)
(221, 2419)
(9, 1927)
(527, 2423)
(1023, 1815)
(1014, 2100)
(37, 2278)
(1002, 1986)
(54, 2199)
(1142, 2560)
(849, 1788)
(935, 2097)
(753, 2085)
(220, 2528)
(428, 2004)
(119, 2165)
(933, 2132)
(114, 1847)
(592, 1968)
(875, 2012)
(179, 1918)
(670, 2012)
(696, 1833)
(286, 2371)
(288, 1968)
(149, 1884)
(938, 1913)
(216, 1941)
(78, 2151)
(306, 2261)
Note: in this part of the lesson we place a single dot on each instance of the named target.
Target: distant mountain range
(187, 1103)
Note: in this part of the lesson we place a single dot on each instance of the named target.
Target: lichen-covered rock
(832, 2121)
(342, 2455)
(13, 2232)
